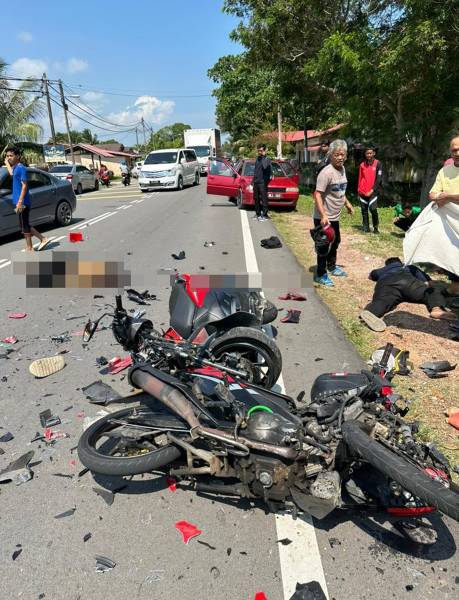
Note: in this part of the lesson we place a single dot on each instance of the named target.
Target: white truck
(205, 142)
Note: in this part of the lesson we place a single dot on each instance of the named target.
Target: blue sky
(153, 51)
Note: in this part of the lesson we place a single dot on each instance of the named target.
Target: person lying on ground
(396, 283)
(405, 215)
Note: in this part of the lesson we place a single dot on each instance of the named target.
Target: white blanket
(434, 237)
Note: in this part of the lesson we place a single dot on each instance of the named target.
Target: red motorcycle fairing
(197, 294)
(200, 338)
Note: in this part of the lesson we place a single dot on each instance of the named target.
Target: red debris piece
(78, 333)
(48, 434)
(291, 295)
(17, 315)
(80, 414)
(260, 596)
(10, 340)
(188, 530)
(72, 462)
(454, 420)
(172, 483)
(76, 236)
(117, 364)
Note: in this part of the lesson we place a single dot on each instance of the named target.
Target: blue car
(53, 200)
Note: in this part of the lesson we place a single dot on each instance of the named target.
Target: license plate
(154, 182)
(271, 195)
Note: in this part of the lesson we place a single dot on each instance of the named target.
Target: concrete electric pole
(65, 107)
(48, 103)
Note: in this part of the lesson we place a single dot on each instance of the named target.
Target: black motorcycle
(126, 178)
(346, 446)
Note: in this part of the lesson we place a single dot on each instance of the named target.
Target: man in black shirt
(261, 178)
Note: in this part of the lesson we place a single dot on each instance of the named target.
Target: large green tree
(387, 68)
(19, 110)
(85, 137)
(170, 136)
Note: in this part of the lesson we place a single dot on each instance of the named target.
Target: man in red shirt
(370, 176)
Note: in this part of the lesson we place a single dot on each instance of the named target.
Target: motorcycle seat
(329, 384)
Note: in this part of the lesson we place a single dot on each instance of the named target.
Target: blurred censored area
(246, 281)
(69, 270)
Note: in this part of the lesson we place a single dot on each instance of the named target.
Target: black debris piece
(228, 551)
(437, 370)
(409, 587)
(224, 252)
(97, 296)
(101, 361)
(68, 408)
(41, 596)
(284, 541)
(7, 437)
(2, 451)
(292, 316)
(72, 318)
(100, 393)
(244, 553)
(16, 553)
(47, 419)
(83, 472)
(87, 537)
(215, 572)
(271, 242)
(207, 545)
(140, 297)
(18, 471)
(180, 256)
(318, 359)
(103, 564)
(67, 513)
(309, 591)
(209, 244)
(38, 436)
(107, 495)
(45, 414)
(202, 268)
(334, 542)
(4, 379)
(61, 339)
(65, 475)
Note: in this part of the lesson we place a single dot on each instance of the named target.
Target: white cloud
(94, 99)
(28, 67)
(76, 65)
(25, 36)
(150, 108)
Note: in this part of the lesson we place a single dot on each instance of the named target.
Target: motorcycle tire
(98, 462)
(270, 313)
(405, 473)
(250, 341)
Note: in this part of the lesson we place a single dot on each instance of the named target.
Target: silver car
(79, 176)
(52, 199)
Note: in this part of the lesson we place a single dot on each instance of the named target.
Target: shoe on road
(372, 321)
(324, 280)
(43, 244)
(47, 366)
(338, 272)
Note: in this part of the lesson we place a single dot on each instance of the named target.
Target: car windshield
(61, 169)
(249, 169)
(290, 171)
(201, 151)
(161, 158)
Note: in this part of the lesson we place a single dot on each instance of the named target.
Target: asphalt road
(358, 558)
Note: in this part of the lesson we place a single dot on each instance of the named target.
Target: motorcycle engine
(271, 428)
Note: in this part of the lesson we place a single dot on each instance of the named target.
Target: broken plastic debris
(155, 575)
(117, 364)
(180, 256)
(188, 530)
(260, 596)
(291, 295)
(87, 536)
(171, 483)
(67, 513)
(65, 475)
(99, 392)
(215, 572)
(16, 553)
(206, 544)
(107, 495)
(454, 420)
(209, 244)
(284, 541)
(10, 340)
(17, 315)
(101, 361)
(18, 471)
(7, 437)
(75, 236)
(104, 564)
(309, 591)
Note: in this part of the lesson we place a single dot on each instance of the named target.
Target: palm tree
(18, 109)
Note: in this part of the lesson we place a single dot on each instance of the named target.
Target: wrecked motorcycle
(244, 352)
(346, 446)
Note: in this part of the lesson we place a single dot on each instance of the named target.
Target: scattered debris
(17, 552)
(293, 316)
(215, 572)
(271, 242)
(66, 475)
(43, 367)
(87, 537)
(17, 315)
(49, 435)
(180, 256)
(107, 495)
(154, 576)
(309, 591)
(207, 545)
(260, 596)
(318, 359)
(171, 483)
(225, 252)
(83, 472)
(209, 244)
(188, 530)
(47, 419)
(437, 370)
(4, 379)
(18, 471)
(290, 295)
(284, 541)
(104, 564)
(67, 513)
(74, 318)
(99, 392)
(96, 296)
(10, 340)
(409, 588)
(118, 364)
(101, 361)
(75, 236)
(334, 542)
(7, 437)
(61, 339)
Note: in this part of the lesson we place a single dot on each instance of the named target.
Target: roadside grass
(430, 398)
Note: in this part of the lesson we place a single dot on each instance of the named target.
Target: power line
(165, 96)
(10, 89)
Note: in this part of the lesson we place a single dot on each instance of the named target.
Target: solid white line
(3, 260)
(51, 239)
(300, 561)
(101, 218)
(85, 222)
(5, 264)
(121, 207)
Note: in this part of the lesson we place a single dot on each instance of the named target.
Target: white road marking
(97, 220)
(84, 223)
(3, 260)
(5, 264)
(300, 561)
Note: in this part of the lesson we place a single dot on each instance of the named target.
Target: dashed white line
(97, 220)
(84, 223)
(5, 264)
(300, 561)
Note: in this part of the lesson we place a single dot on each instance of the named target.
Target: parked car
(53, 199)
(80, 177)
(291, 170)
(170, 168)
(136, 168)
(236, 183)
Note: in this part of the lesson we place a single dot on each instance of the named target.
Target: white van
(169, 168)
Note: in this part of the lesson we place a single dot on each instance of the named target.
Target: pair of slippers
(140, 297)
(292, 316)
(292, 296)
(180, 256)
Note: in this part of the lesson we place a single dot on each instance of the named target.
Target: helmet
(323, 239)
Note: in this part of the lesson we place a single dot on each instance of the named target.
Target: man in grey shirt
(329, 199)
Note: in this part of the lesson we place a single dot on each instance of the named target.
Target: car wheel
(240, 201)
(63, 213)
(196, 179)
(79, 189)
(180, 183)
(96, 185)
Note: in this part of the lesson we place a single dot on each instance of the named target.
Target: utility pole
(279, 132)
(65, 107)
(136, 137)
(144, 133)
(48, 102)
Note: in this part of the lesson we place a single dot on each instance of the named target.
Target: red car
(225, 179)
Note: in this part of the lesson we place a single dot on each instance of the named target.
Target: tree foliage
(170, 136)
(84, 137)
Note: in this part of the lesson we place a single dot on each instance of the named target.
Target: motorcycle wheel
(256, 347)
(405, 473)
(98, 446)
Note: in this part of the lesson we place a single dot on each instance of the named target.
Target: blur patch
(246, 281)
(69, 271)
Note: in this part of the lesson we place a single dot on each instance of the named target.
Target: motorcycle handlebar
(119, 304)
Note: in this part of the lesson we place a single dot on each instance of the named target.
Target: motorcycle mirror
(89, 330)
